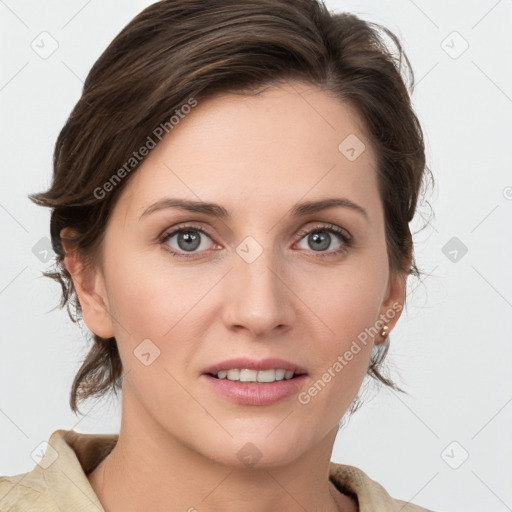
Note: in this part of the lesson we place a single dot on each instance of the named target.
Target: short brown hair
(175, 50)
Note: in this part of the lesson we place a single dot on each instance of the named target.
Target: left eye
(320, 239)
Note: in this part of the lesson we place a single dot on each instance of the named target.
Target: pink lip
(253, 364)
(255, 393)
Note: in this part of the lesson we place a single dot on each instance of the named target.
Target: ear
(90, 288)
(393, 303)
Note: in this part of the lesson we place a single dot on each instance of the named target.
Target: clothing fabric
(58, 482)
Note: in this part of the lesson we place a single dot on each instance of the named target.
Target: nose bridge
(257, 299)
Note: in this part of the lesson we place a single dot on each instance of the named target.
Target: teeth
(266, 376)
(233, 374)
(280, 374)
(246, 375)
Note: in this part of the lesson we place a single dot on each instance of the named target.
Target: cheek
(147, 295)
(342, 353)
(347, 303)
(348, 340)
(154, 299)
(346, 300)
(150, 308)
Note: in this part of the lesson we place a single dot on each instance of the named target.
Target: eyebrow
(216, 210)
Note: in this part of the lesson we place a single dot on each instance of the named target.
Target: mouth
(255, 382)
(243, 369)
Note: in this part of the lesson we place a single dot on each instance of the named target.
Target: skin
(256, 156)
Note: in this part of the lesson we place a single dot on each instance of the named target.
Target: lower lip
(256, 393)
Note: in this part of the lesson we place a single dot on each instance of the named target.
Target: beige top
(58, 483)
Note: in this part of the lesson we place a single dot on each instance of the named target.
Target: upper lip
(254, 364)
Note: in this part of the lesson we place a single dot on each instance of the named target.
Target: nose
(257, 297)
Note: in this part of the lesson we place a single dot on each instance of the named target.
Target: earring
(384, 331)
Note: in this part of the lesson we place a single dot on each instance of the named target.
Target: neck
(149, 470)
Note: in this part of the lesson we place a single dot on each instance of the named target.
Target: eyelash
(343, 235)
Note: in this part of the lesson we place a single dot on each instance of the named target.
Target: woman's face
(263, 275)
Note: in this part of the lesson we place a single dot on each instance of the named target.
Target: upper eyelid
(172, 231)
(327, 227)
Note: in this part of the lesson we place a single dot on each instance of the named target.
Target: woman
(277, 140)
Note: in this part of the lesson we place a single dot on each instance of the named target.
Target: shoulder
(405, 506)
(25, 493)
(28, 491)
(370, 494)
(58, 481)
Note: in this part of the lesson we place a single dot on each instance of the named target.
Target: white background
(451, 350)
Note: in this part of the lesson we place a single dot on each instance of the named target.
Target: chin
(259, 450)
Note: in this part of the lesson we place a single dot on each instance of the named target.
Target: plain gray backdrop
(448, 445)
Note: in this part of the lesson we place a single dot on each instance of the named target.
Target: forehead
(289, 142)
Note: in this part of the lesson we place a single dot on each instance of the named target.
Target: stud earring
(384, 331)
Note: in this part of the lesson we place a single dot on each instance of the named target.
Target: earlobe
(90, 288)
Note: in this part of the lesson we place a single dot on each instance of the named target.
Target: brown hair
(178, 50)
